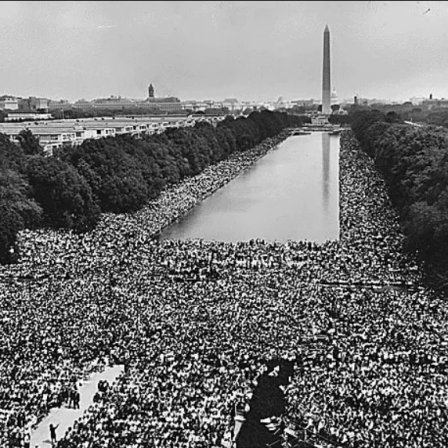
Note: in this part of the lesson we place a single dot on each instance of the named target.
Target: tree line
(118, 174)
(414, 163)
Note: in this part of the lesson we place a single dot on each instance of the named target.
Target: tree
(420, 228)
(340, 119)
(393, 117)
(362, 120)
(64, 195)
(110, 160)
(29, 143)
(11, 154)
(414, 163)
(17, 211)
(296, 109)
(121, 194)
(10, 225)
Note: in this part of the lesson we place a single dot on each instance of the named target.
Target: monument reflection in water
(326, 179)
(290, 194)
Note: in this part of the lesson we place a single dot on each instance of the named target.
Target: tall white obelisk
(326, 76)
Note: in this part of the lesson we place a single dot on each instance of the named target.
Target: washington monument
(326, 76)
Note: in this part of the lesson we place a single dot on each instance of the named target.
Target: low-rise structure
(113, 103)
(57, 133)
(9, 103)
(32, 104)
(23, 116)
(59, 105)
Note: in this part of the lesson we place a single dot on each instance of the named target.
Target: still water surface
(290, 194)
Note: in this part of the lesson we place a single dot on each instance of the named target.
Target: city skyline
(216, 50)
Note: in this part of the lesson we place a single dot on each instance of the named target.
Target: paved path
(65, 417)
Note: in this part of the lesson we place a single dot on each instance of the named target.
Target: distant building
(113, 103)
(166, 104)
(434, 102)
(195, 106)
(231, 103)
(57, 133)
(281, 103)
(24, 116)
(334, 97)
(372, 101)
(417, 101)
(168, 99)
(304, 103)
(9, 103)
(32, 104)
(150, 91)
(83, 104)
(320, 120)
(59, 105)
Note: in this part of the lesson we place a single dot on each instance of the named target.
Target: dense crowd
(377, 376)
(192, 322)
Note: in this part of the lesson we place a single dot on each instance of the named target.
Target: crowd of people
(377, 376)
(194, 321)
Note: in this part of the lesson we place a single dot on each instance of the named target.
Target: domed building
(334, 97)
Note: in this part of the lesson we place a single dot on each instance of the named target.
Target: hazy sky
(216, 50)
